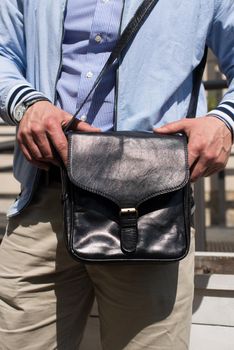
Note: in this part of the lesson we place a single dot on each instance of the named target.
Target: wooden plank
(214, 263)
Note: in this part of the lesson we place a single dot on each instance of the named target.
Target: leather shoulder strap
(197, 79)
(126, 37)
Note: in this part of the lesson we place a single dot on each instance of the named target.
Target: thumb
(178, 126)
(78, 124)
(83, 126)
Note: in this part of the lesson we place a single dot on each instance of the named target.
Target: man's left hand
(209, 143)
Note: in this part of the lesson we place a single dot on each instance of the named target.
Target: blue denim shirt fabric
(91, 29)
(154, 80)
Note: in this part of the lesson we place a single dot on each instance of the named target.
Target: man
(50, 53)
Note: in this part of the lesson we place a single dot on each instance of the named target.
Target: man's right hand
(41, 126)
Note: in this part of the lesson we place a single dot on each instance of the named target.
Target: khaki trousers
(46, 296)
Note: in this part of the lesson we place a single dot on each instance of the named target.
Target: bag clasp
(128, 231)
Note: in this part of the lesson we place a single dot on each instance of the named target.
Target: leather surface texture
(127, 197)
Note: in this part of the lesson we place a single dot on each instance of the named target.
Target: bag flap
(128, 167)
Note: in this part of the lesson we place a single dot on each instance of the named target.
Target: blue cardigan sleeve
(221, 42)
(14, 88)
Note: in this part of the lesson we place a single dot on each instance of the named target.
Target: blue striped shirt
(90, 32)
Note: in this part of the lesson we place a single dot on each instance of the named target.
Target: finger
(216, 166)
(38, 164)
(31, 146)
(59, 142)
(182, 125)
(196, 171)
(193, 154)
(41, 165)
(83, 126)
(45, 148)
(200, 169)
(208, 164)
(212, 171)
(37, 145)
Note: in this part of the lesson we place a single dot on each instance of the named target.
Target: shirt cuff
(18, 95)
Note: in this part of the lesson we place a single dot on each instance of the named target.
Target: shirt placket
(100, 31)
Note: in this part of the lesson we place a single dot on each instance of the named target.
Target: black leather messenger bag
(126, 194)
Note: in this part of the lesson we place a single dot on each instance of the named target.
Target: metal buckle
(126, 211)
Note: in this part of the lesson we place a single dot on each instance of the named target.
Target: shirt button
(83, 118)
(98, 38)
(89, 75)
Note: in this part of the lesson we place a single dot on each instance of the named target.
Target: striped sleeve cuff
(19, 94)
(225, 112)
